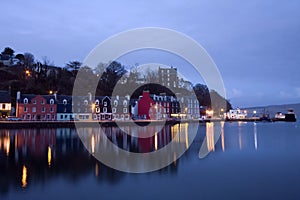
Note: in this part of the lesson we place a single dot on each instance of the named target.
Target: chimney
(55, 96)
(18, 95)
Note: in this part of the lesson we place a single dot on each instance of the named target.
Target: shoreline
(71, 124)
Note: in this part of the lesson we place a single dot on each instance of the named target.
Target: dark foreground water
(249, 161)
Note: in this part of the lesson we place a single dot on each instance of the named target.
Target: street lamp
(50, 92)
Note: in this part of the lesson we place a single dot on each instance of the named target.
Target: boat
(288, 117)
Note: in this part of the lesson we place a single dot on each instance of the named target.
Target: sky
(255, 44)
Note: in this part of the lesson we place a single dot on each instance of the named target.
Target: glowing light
(50, 92)
(186, 140)
(24, 177)
(49, 156)
(209, 112)
(254, 111)
(27, 72)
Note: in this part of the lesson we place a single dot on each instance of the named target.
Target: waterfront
(250, 161)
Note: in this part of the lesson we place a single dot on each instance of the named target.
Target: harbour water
(249, 161)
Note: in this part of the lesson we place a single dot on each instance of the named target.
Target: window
(25, 101)
(51, 101)
(105, 110)
(53, 117)
(33, 117)
(105, 103)
(28, 116)
(114, 110)
(43, 102)
(65, 102)
(51, 109)
(43, 109)
(124, 110)
(25, 109)
(97, 110)
(115, 103)
(124, 103)
(3, 106)
(86, 102)
(97, 102)
(33, 109)
(61, 116)
(34, 101)
(48, 116)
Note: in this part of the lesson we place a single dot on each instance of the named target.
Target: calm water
(249, 161)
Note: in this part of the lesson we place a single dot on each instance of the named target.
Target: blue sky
(255, 44)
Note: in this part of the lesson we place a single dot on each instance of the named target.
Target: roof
(4, 97)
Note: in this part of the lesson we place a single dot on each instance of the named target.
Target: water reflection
(24, 177)
(33, 157)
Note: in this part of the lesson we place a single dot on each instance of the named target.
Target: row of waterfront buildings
(30, 107)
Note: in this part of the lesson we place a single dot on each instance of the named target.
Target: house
(121, 108)
(64, 108)
(36, 107)
(157, 106)
(82, 107)
(5, 104)
(105, 108)
(190, 106)
(101, 108)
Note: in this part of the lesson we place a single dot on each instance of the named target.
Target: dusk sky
(255, 44)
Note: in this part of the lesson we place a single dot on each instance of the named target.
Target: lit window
(33, 109)
(105, 103)
(97, 110)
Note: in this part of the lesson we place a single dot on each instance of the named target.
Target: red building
(157, 106)
(36, 107)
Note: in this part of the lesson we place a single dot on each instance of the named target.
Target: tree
(28, 60)
(73, 66)
(8, 51)
(20, 57)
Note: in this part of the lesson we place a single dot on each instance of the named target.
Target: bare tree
(28, 60)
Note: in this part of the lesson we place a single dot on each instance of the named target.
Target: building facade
(36, 107)
(5, 104)
(168, 77)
